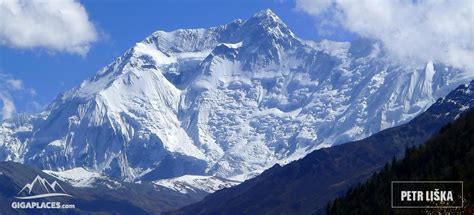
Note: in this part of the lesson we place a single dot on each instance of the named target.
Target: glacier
(227, 101)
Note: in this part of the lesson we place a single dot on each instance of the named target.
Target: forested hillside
(448, 156)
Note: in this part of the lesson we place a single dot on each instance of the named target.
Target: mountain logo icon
(43, 187)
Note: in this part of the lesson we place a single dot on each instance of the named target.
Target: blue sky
(120, 24)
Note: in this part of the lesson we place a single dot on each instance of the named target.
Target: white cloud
(313, 7)
(423, 30)
(8, 107)
(14, 94)
(33, 92)
(15, 84)
(56, 25)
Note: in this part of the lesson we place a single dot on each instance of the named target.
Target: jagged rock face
(227, 101)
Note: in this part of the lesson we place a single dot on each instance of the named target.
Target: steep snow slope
(227, 101)
(14, 135)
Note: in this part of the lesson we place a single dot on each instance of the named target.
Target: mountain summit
(229, 101)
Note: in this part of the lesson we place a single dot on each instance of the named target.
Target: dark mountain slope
(305, 186)
(122, 198)
(448, 156)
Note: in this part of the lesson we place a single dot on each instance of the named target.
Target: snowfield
(196, 183)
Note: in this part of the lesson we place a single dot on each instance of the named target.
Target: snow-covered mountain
(227, 101)
(328, 173)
